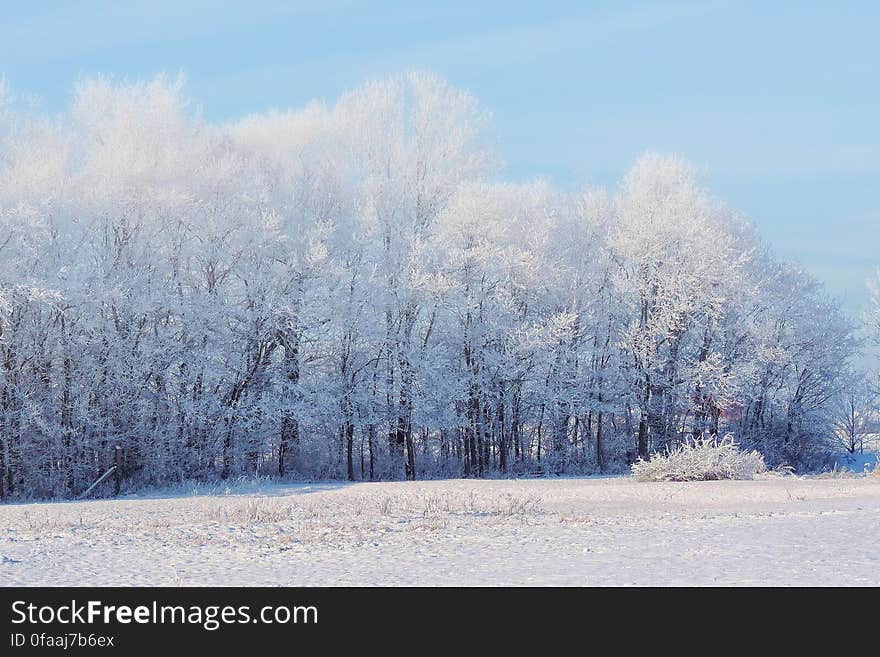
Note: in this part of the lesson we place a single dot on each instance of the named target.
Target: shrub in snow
(703, 459)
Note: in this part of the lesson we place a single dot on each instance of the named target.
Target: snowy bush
(702, 459)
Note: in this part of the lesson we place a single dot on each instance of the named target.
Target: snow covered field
(611, 531)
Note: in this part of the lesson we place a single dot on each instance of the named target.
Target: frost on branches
(701, 459)
(347, 292)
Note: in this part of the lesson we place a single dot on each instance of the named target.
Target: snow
(858, 461)
(592, 531)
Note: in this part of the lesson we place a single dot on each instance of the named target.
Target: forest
(352, 291)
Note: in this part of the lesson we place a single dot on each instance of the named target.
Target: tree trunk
(349, 447)
(502, 436)
(642, 444)
(117, 473)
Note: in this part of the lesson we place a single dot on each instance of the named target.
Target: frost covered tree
(679, 266)
(347, 292)
(853, 411)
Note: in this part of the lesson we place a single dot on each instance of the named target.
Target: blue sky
(778, 104)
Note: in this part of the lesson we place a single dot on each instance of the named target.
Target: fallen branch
(98, 481)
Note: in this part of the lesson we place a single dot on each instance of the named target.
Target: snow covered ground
(611, 531)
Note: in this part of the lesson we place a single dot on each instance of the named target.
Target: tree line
(349, 291)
